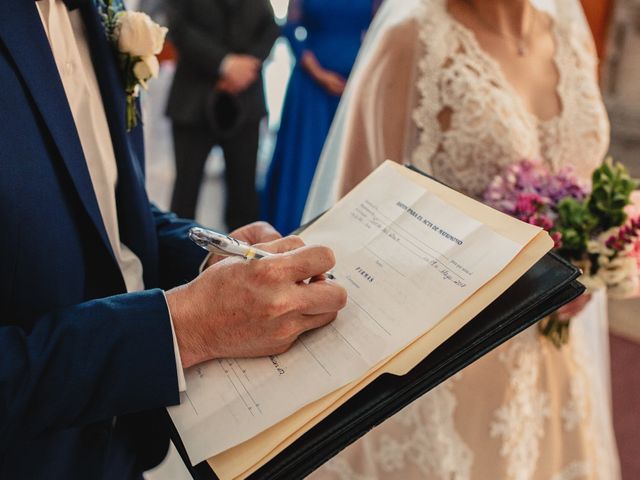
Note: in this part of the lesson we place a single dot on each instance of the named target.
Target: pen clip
(213, 242)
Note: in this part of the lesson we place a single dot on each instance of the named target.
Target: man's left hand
(256, 232)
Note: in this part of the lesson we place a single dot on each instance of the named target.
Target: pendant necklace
(520, 42)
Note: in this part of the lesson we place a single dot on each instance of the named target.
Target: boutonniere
(137, 40)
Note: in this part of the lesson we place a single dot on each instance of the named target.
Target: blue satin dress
(334, 31)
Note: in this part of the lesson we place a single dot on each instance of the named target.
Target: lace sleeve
(294, 30)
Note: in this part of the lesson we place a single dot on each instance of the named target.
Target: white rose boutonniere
(138, 35)
(137, 40)
(146, 68)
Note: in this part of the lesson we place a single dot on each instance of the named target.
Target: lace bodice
(490, 125)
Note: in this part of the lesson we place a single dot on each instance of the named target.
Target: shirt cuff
(203, 265)
(182, 383)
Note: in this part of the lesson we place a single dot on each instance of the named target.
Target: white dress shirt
(67, 37)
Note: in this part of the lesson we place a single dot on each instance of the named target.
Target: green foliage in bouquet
(610, 193)
(580, 220)
(575, 224)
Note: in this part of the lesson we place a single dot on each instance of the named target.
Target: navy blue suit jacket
(75, 352)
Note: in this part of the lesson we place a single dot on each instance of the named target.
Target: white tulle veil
(324, 190)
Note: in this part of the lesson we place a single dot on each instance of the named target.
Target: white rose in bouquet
(598, 245)
(592, 282)
(138, 35)
(620, 274)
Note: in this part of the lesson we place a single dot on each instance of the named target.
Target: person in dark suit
(217, 97)
(96, 321)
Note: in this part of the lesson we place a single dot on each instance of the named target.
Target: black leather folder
(547, 286)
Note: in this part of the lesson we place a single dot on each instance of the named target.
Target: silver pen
(228, 246)
(224, 245)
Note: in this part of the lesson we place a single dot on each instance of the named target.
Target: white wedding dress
(527, 410)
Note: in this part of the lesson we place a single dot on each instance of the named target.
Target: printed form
(406, 258)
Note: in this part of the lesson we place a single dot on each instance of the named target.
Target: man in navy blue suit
(98, 319)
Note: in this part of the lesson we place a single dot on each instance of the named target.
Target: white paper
(406, 259)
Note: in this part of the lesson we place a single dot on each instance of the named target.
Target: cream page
(406, 258)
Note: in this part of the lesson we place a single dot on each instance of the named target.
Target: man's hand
(239, 308)
(256, 232)
(239, 72)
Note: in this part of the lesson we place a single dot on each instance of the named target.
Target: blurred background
(616, 28)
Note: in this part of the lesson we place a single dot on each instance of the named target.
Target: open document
(410, 252)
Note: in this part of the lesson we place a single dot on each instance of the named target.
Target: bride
(461, 88)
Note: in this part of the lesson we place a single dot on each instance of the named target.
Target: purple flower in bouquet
(563, 185)
(528, 205)
(541, 220)
(518, 179)
(527, 188)
(626, 236)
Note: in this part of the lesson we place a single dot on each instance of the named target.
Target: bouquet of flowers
(597, 229)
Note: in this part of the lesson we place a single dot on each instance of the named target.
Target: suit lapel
(24, 37)
(137, 229)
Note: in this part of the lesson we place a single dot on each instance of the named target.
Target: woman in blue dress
(325, 37)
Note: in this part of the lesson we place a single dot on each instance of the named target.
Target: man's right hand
(239, 72)
(240, 308)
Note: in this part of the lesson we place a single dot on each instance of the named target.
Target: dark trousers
(192, 145)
